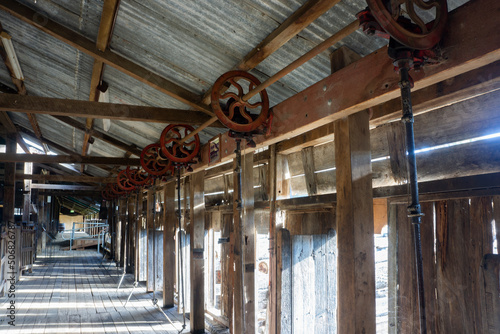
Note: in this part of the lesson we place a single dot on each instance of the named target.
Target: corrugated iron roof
(190, 43)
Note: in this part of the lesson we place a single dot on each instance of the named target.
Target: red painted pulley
(174, 147)
(107, 194)
(154, 162)
(117, 191)
(124, 182)
(232, 109)
(405, 24)
(138, 176)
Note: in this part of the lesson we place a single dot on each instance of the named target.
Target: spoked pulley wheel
(117, 191)
(418, 24)
(123, 181)
(107, 194)
(175, 148)
(138, 176)
(154, 161)
(231, 107)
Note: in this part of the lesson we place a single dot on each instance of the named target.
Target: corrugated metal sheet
(190, 43)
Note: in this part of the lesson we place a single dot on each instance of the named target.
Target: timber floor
(72, 292)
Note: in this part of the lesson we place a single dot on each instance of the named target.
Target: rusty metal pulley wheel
(154, 162)
(232, 109)
(107, 194)
(138, 176)
(123, 181)
(174, 147)
(117, 191)
(406, 24)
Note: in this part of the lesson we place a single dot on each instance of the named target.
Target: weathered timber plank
(249, 243)
(78, 108)
(452, 272)
(308, 164)
(356, 280)
(13, 157)
(169, 251)
(284, 281)
(197, 313)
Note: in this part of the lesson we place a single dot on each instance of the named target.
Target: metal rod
(181, 265)
(414, 211)
(346, 31)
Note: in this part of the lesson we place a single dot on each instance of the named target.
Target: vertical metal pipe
(414, 211)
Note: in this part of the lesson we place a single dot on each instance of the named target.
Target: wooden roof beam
(37, 158)
(57, 146)
(78, 108)
(100, 135)
(63, 187)
(66, 178)
(108, 16)
(108, 57)
(466, 86)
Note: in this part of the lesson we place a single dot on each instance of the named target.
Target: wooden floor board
(73, 292)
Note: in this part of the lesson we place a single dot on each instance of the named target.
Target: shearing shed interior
(250, 167)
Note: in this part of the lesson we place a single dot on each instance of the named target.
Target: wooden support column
(131, 218)
(249, 241)
(150, 240)
(197, 232)
(272, 302)
(169, 252)
(356, 265)
(122, 214)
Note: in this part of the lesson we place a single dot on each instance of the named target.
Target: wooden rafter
(109, 11)
(66, 178)
(100, 135)
(108, 57)
(62, 187)
(78, 108)
(36, 158)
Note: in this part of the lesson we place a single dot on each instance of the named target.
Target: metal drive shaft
(414, 211)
